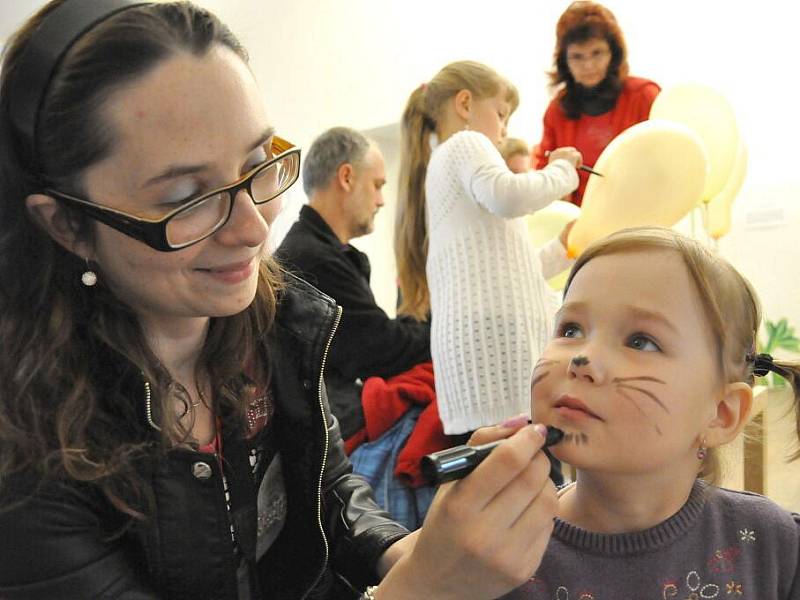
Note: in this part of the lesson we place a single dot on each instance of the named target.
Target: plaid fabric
(375, 461)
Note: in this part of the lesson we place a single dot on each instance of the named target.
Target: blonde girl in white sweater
(462, 249)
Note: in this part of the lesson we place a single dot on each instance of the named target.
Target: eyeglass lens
(209, 215)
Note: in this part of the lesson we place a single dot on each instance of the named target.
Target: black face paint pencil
(459, 461)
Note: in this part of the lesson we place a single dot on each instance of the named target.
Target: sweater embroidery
(747, 535)
(714, 547)
(734, 588)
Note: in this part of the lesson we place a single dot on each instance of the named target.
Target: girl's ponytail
(790, 371)
(411, 233)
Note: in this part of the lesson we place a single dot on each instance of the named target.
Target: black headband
(56, 34)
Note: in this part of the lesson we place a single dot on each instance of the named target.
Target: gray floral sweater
(721, 544)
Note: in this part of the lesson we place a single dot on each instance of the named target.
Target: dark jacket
(369, 343)
(58, 545)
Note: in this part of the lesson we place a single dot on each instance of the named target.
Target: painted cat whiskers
(622, 383)
(570, 437)
(623, 386)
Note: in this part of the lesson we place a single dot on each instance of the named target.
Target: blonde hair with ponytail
(421, 118)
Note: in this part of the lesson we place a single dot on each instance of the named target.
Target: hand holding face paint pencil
(459, 461)
(485, 534)
(569, 154)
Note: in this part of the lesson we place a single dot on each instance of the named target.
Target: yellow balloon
(654, 174)
(545, 225)
(709, 115)
(558, 282)
(718, 216)
(548, 222)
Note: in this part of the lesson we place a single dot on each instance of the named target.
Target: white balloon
(547, 223)
(707, 113)
(654, 174)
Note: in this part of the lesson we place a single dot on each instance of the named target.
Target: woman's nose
(246, 225)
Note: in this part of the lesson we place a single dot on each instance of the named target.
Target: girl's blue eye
(640, 341)
(570, 330)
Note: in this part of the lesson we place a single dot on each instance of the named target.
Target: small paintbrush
(582, 167)
(590, 170)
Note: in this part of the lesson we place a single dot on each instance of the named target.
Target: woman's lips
(232, 272)
(574, 409)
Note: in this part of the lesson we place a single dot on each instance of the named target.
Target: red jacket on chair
(386, 400)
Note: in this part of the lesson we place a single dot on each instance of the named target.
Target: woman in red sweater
(596, 98)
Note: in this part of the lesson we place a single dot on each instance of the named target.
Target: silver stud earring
(88, 277)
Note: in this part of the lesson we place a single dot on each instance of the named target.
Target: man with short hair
(343, 174)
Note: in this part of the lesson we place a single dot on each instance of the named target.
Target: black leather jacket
(58, 544)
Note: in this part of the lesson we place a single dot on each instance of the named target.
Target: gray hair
(329, 151)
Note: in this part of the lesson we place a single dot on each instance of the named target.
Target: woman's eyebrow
(174, 171)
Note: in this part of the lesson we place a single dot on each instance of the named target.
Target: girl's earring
(702, 451)
(89, 277)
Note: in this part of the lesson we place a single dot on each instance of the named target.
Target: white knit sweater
(490, 304)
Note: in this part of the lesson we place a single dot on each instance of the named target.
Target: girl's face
(631, 370)
(588, 61)
(190, 125)
(490, 116)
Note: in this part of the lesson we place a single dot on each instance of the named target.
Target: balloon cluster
(708, 114)
(688, 154)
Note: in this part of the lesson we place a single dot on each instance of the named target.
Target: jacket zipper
(324, 453)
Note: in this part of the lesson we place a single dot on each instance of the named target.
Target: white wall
(323, 63)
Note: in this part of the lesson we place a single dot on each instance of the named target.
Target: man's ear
(462, 102)
(52, 218)
(733, 413)
(344, 177)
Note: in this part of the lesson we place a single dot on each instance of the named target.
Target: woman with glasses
(596, 99)
(164, 429)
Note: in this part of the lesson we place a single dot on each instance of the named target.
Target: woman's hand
(485, 534)
(567, 153)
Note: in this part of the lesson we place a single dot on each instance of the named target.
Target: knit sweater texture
(491, 307)
(720, 544)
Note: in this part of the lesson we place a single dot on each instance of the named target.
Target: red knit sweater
(590, 134)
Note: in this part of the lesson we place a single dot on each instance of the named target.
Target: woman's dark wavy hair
(55, 421)
(584, 20)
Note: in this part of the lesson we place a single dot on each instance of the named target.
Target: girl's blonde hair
(729, 300)
(421, 116)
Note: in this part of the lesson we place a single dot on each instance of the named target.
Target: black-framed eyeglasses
(199, 217)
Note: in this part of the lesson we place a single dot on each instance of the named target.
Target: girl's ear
(463, 104)
(733, 413)
(50, 216)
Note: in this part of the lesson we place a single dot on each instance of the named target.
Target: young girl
(463, 253)
(649, 372)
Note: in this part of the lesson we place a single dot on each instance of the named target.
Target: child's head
(454, 92)
(652, 358)
(516, 154)
(462, 95)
